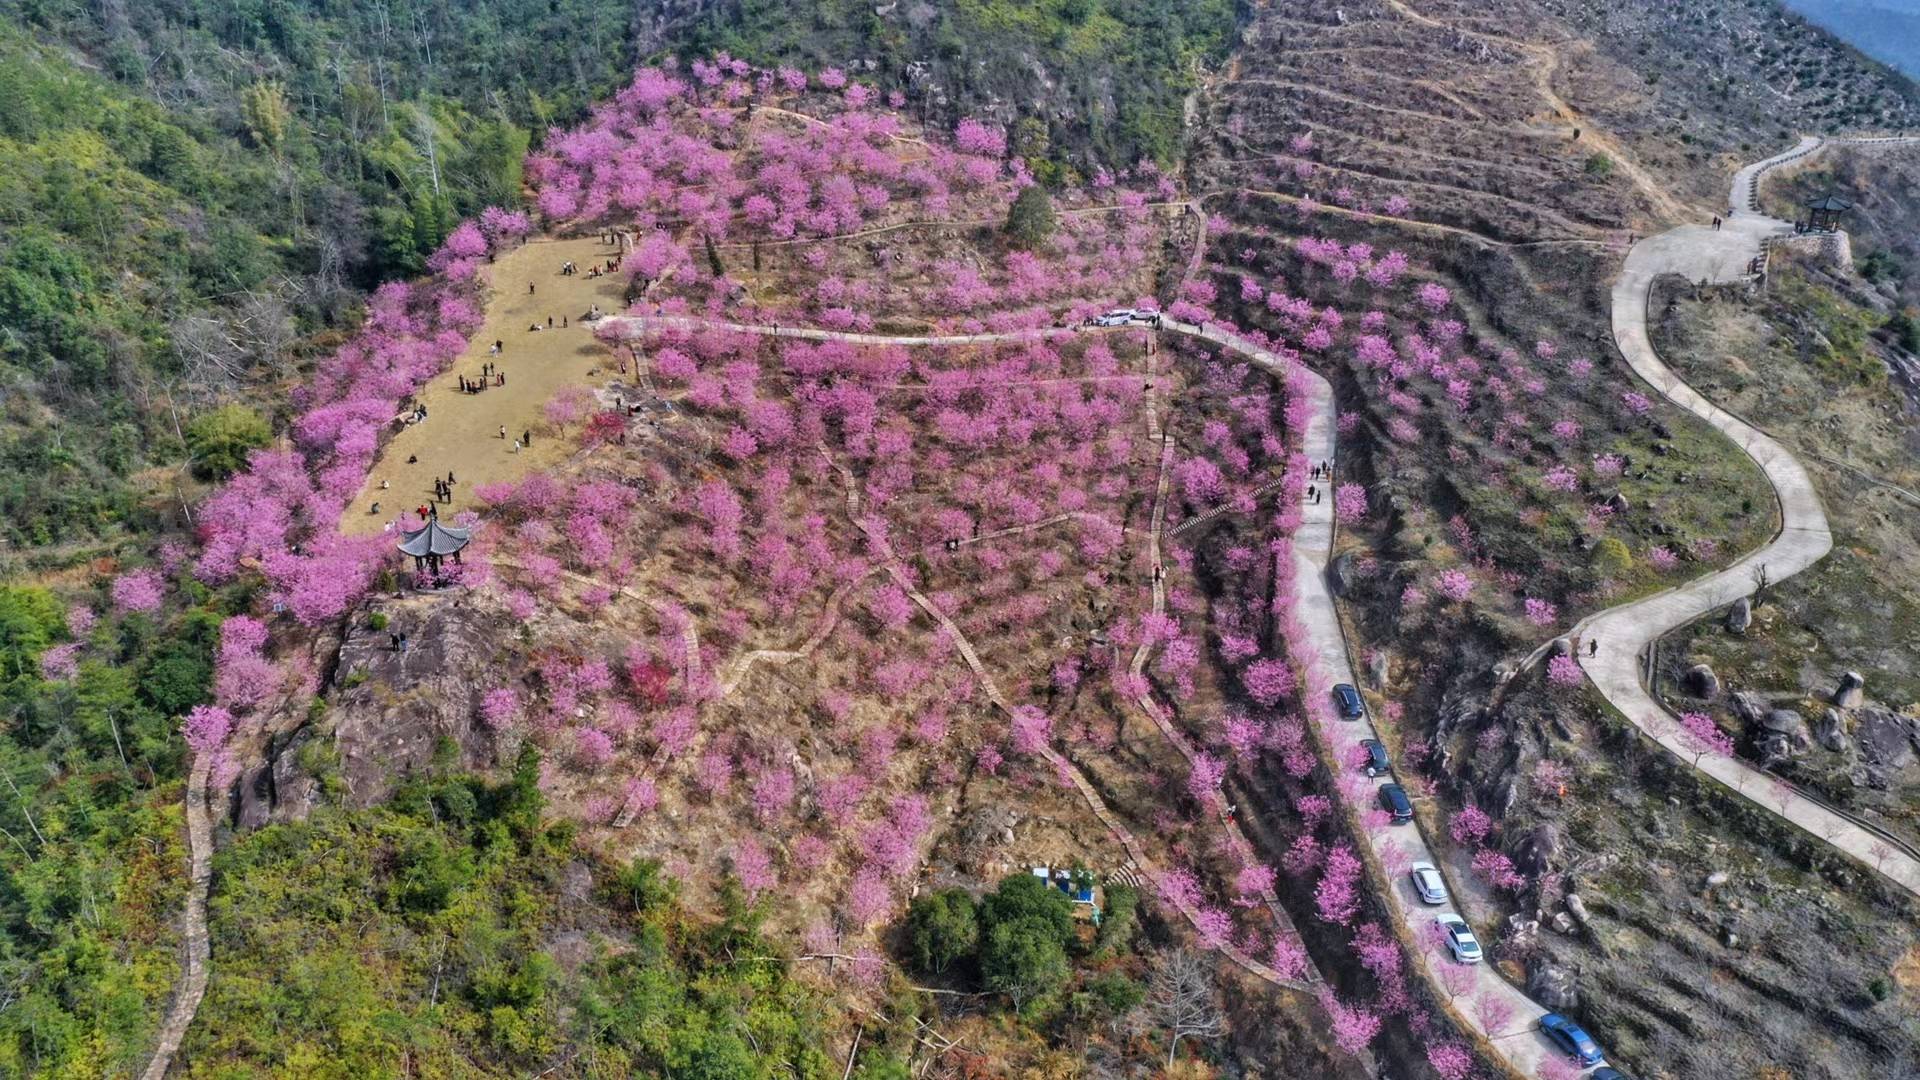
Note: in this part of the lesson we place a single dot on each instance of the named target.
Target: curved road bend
(1700, 253)
(1517, 1039)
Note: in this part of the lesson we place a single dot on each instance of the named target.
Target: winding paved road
(1701, 253)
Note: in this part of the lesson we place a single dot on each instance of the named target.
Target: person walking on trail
(516, 446)
(529, 288)
(1593, 646)
(450, 480)
(549, 322)
(503, 431)
(527, 437)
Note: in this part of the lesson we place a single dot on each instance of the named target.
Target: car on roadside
(1116, 317)
(1608, 1072)
(1393, 799)
(1144, 315)
(1347, 700)
(1460, 940)
(1572, 1039)
(1428, 883)
(1376, 763)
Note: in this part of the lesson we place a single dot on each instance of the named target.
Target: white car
(1428, 883)
(1116, 317)
(1145, 315)
(1460, 939)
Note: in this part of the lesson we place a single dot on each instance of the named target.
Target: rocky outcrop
(1889, 741)
(389, 711)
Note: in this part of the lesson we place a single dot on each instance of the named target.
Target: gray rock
(1888, 740)
(1536, 854)
(1562, 923)
(1553, 986)
(1618, 503)
(1852, 691)
(1560, 646)
(1717, 879)
(1701, 682)
(1377, 669)
(1577, 908)
(1740, 615)
(1750, 707)
(1341, 575)
(1831, 731)
(1781, 736)
(391, 709)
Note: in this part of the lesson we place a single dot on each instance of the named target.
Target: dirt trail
(461, 431)
(1545, 64)
(192, 986)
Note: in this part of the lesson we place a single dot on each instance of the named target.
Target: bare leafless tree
(1181, 998)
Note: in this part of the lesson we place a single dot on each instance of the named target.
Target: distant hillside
(1887, 30)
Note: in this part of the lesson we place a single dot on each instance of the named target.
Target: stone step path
(1625, 633)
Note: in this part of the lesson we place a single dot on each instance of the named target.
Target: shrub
(219, 442)
(1611, 557)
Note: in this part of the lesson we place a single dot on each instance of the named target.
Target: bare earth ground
(461, 432)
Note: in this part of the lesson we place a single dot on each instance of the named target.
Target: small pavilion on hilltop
(432, 543)
(1823, 213)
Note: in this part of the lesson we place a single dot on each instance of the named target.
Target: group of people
(568, 269)
(490, 375)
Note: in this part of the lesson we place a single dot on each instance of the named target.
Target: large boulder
(1750, 707)
(1701, 682)
(1553, 986)
(1342, 575)
(1852, 691)
(1740, 615)
(1538, 850)
(1831, 731)
(1781, 736)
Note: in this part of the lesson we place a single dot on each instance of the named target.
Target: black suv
(1393, 799)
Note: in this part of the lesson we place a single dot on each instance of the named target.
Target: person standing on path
(527, 437)
(503, 431)
(516, 446)
(1593, 646)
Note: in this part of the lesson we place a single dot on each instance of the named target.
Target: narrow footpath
(192, 985)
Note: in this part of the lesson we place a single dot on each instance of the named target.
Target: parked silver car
(1428, 883)
(1460, 939)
